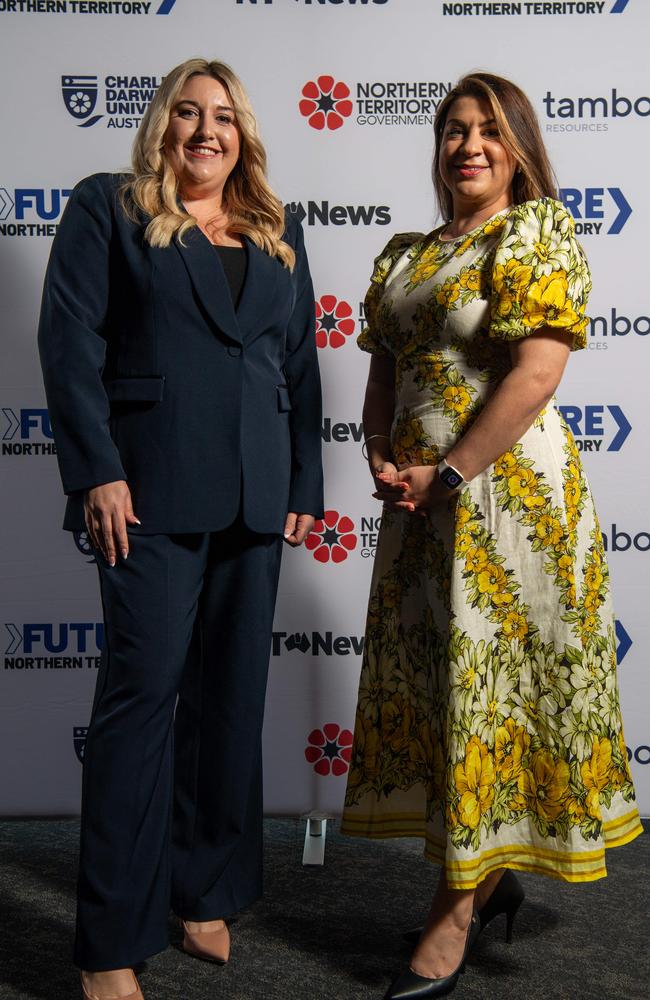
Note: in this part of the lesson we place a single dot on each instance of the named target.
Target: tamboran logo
(334, 323)
(101, 7)
(616, 540)
(125, 98)
(79, 734)
(332, 539)
(586, 204)
(325, 103)
(43, 643)
(591, 425)
(614, 105)
(535, 8)
(34, 210)
(640, 754)
(615, 324)
(30, 427)
(322, 213)
(317, 643)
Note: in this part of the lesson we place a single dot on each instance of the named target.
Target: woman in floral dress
(488, 719)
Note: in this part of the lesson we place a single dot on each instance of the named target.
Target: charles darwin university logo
(334, 323)
(325, 103)
(333, 538)
(80, 97)
(79, 734)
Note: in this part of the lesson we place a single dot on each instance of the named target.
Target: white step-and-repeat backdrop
(77, 77)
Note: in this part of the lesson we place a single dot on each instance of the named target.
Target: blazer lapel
(265, 279)
(207, 276)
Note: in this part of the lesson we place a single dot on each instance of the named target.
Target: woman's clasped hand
(416, 488)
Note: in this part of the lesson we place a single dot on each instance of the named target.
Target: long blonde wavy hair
(152, 190)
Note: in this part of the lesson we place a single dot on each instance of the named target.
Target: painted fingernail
(125, 553)
(137, 521)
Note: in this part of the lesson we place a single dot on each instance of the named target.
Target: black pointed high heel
(411, 986)
(507, 898)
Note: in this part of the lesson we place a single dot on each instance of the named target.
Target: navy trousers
(172, 784)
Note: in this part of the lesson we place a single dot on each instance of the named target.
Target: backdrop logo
(616, 540)
(324, 214)
(586, 204)
(329, 749)
(82, 541)
(591, 425)
(26, 432)
(535, 8)
(79, 734)
(623, 642)
(325, 103)
(129, 8)
(592, 114)
(33, 210)
(640, 754)
(53, 646)
(615, 324)
(333, 538)
(125, 98)
(80, 98)
(340, 432)
(317, 643)
(334, 321)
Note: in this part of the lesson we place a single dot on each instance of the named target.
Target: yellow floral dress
(488, 719)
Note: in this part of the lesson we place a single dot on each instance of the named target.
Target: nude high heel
(135, 995)
(210, 946)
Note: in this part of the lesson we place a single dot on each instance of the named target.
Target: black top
(233, 261)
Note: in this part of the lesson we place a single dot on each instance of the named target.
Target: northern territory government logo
(100, 8)
(123, 98)
(327, 104)
(534, 8)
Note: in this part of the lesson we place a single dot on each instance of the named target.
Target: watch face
(451, 478)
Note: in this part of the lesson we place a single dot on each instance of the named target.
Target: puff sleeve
(540, 276)
(375, 338)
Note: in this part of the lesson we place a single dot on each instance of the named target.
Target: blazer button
(234, 351)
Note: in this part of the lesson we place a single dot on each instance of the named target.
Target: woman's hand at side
(108, 510)
(297, 527)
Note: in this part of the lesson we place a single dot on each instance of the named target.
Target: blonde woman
(180, 366)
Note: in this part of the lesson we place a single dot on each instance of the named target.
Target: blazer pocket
(284, 403)
(136, 390)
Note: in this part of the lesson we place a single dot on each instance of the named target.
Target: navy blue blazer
(152, 376)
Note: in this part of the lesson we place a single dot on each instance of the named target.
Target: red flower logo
(325, 103)
(332, 538)
(333, 323)
(330, 749)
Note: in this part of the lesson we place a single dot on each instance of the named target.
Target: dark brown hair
(519, 132)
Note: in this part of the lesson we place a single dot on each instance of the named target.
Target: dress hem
(564, 866)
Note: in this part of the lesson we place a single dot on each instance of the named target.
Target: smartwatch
(450, 477)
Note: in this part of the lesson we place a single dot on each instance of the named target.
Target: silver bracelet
(364, 450)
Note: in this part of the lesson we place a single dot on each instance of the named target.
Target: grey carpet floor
(333, 933)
